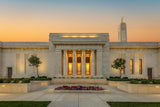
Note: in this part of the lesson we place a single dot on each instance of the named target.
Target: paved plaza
(80, 99)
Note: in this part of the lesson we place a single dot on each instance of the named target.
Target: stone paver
(80, 99)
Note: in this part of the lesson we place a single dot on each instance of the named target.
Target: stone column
(99, 63)
(93, 64)
(64, 64)
(52, 60)
(58, 63)
(74, 63)
(83, 63)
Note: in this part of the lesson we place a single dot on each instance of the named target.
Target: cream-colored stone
(115, 83)
(139, 88)
(43, 83)
(19, 87)
(79, 81)
(13, 54)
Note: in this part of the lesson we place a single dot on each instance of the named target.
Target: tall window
(70, 62)
(123, 70)
(131, 66)
(140, 66)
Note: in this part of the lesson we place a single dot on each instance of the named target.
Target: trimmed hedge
(134, 81)
(24, 80)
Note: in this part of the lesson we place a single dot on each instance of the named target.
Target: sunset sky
(33, 20)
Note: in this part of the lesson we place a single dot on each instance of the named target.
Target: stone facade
(54, 61)
(147, 51)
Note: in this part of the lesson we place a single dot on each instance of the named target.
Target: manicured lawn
(24, 103)
(134, 104)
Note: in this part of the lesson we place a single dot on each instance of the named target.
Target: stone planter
(79, 81)
(19, 87)
(115, 83)
(43, 83)
(140, 88)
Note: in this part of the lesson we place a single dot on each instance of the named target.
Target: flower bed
(79, 88)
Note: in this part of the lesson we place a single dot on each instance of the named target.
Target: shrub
(15, 80)
(42, 76)
(1, 80)
(26, 80)
(6, 80)
(145, 81)
(32, 77)
(114, 77)
(125, 77)
(134, 81)
(41, 79)
(156, 81)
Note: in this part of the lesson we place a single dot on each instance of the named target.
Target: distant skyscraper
(122, 33)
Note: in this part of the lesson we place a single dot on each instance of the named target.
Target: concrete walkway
(80, 99)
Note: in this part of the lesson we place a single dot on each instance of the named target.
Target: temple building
(81, 55)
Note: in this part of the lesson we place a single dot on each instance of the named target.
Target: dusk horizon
(32, 21)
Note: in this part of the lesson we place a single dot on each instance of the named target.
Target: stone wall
(17, 58)
(115, 83)
(139, 88)
(79, 81)
(43, 83)
(148, 55)
(19, 87)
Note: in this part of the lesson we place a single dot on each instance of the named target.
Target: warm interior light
(70, 68)
(87, 68)
(80, 36)
(79, 68)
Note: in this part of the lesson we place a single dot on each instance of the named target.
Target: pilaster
(99, 63)
(74, 63)
(83, 63)
(93, 63)
(64, 63)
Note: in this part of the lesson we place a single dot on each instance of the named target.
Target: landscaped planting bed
(24, 103)
(134, 104)
(23, 85)
(78, 89)
(97, 88)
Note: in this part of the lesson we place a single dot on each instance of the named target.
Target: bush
(26, 80)
(134, 81)
(15, 80)
(156, 81)
(125, 77)
(32, 77)
(114, 77)
(145, 81)
(1, 80)
(40, 79)
(42, 76)
(6, 80)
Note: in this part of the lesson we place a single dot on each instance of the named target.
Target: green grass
(24, 103)
(134, 104)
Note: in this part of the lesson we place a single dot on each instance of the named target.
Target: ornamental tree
(35, 62)
(119, 64)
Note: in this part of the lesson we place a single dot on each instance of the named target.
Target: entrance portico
(78, 55)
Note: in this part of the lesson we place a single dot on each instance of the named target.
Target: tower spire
(122, 33)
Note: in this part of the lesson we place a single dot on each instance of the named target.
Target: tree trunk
(37, 72)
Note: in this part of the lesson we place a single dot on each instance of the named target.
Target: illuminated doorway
(79, 62)
(88, 62)
(69, 62)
